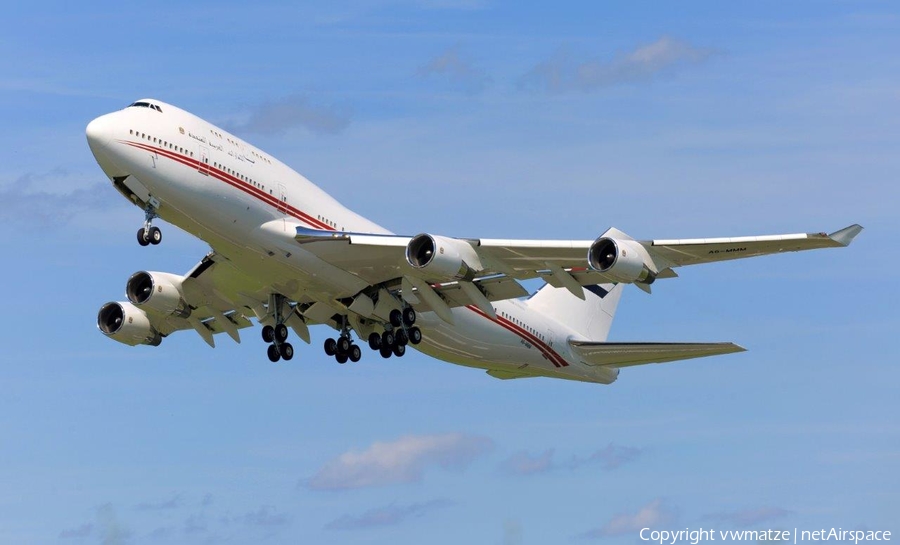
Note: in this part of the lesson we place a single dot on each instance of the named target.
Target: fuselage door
(282, 198)
(203, 166)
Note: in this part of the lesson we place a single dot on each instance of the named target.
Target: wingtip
(846, 235)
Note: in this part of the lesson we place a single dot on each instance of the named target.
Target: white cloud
(84, 530)
(400, 461)
(450, 66)
(52, 198)
(654, 514)
(609, 458)
(561, 73)
(386, 516)
(297, 111)
(170, 503)
(523, 463)
(748, 517)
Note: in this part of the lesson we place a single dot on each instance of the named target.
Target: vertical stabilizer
(591, 318)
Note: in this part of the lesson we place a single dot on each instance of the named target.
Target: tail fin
(591, 317)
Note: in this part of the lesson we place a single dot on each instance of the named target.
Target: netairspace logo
(694, 537)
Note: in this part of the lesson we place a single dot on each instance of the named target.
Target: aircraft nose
(99, 132)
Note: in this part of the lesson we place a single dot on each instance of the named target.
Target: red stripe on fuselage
(236, 183)
(526, 335)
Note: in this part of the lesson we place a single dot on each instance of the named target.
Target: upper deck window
(145, 105)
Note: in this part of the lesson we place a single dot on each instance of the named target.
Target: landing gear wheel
(401, 337)
(268, 333)
(274, 354)
(386, 351)
(387, 339)
(399, 350)
(409, 316)
(415, 335)
(341, 358)
(343, 345)
(374, 341)
(142, 238)
(281, 333)
(155, 235)
(355, 353)
(330, 347)
(396, 318)
(287, 351)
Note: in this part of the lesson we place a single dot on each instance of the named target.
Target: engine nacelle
(127, 324)
(158, 291)
(443, 258)
(623, 260)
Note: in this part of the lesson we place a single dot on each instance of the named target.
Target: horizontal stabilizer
(627, 354)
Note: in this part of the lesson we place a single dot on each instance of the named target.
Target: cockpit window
(145, 105)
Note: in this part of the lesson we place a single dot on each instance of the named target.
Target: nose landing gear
(148, 234)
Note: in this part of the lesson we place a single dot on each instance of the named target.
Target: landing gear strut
(343, 348)
(148, 234)
(278, 334)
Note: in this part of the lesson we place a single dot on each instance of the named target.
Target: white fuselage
(247, 205)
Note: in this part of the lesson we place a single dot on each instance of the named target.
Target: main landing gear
(401, 332)
(398, 332)
(148, 234)
(343, 348)
(279, 348)
(277, 335)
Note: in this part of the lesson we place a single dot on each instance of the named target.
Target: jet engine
(443, 258)
(622, 260)
(157, 291)
(127, 324)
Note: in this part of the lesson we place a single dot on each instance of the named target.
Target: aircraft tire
(396, 318)
(409, 316)
(273, 353)
(155, 235)
(355, 353)
(287, 351)
(330, 347)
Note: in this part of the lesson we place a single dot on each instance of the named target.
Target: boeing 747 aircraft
(289, 255)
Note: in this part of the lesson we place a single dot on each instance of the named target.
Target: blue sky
(464, 118)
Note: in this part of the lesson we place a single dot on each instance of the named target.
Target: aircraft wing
(628, 354)
(214, 297)
(613, 257)
(693, 251)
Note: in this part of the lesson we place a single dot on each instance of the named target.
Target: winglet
(846, 235)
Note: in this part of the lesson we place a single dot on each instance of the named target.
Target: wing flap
(496, 288)
(628, 354)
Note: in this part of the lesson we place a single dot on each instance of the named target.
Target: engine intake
(443, 258)
(127, 324)
(623, 260)
(157, 291)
